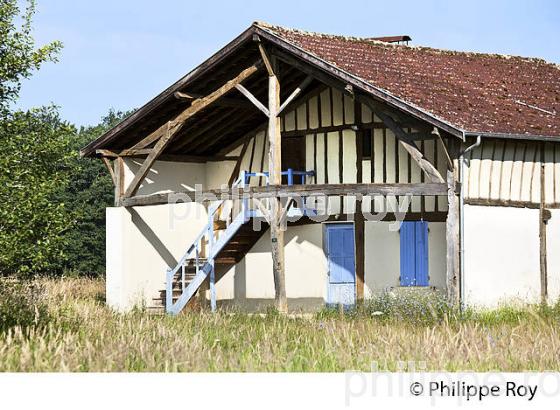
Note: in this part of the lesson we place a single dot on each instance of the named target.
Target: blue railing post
(211, 257)
(290, 176)
(212, 286)
(244, 201)
(168, 290)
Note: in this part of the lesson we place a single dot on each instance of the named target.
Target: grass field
(63, 325)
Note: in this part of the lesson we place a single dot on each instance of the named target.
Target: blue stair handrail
(205, 267)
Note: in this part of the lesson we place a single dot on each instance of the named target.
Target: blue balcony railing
(289, 173)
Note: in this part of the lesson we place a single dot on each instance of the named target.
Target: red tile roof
(475, 92)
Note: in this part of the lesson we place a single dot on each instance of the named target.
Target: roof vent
(393, 39)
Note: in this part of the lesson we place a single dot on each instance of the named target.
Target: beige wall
(382, 256)
(249, 285)
(165, 176)
(501, 255)
(553, 255)
(141, 244)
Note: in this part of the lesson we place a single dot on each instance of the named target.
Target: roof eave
(158, 100)
(503, 135)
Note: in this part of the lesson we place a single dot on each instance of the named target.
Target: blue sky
(120, 53)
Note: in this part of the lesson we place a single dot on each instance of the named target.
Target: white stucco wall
(501, 255)
(250, 283)
(553, 255)
(141, 244)
(166, 176)
(382, 256)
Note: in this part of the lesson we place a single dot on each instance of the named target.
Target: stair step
(232, 252)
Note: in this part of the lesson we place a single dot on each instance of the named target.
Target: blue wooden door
(414, 253)
(342, 269)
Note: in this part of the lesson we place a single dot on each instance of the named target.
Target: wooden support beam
(226, 102)
(452, 237)
(118, 163)
(286, 191)
(110, 169)
(167, 131)
(445, 149)
(235, 173)
(409, 145)
(313, 93)
(185, 96)
(359, 222)
(299, 89)
(275, 179)
(144, 152)
(149, 161)
(543, 219)
(253, 99)
(266, 60)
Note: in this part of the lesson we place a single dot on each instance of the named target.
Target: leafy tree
(18, 55)
(34, 155)
(34, 158)
(52, 203)
(89, 192)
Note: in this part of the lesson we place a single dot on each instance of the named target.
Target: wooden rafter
(226, 102)
(166, 132)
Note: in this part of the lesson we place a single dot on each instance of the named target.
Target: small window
(366, 143)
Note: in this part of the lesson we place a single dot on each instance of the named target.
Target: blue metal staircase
(200, 260)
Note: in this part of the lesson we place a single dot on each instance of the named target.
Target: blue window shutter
(421, 253)
(408, 258)
(414, 253)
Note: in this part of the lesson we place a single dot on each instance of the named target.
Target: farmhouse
(301, 170)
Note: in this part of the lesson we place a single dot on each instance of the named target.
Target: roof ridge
(369, 40)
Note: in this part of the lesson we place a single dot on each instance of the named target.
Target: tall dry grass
(82, 334)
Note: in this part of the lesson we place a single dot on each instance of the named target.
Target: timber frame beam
(144, 152)
(165, 133)
(287, 191)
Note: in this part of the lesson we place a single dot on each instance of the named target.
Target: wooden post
(275, 178)
(543, 219)
(118, 164)
(452, 235)
(359, 222)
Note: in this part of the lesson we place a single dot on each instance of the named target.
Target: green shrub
(22, 303)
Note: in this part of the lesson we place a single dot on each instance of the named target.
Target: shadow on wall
(152, 238)
(167, 176)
